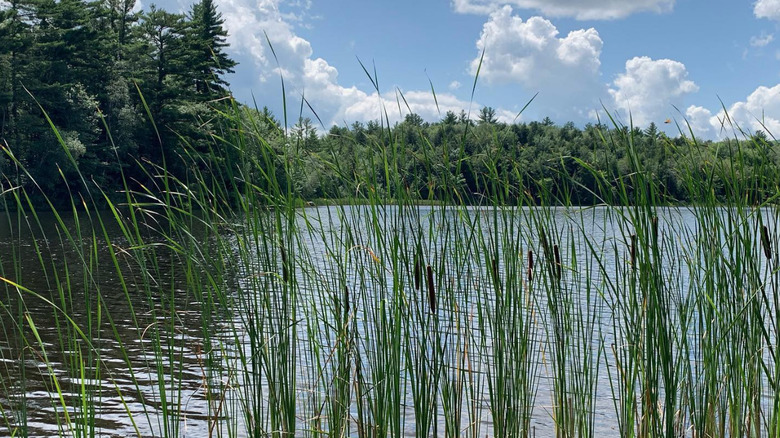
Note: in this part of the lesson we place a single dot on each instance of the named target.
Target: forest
(114, 92)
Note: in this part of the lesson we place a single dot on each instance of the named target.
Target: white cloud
(767, 9)
(454, 85)
(530, 53)
(701, 122)
(761, 41)
(760, 111)
(580, 9)
(309, 76)
(648, 88)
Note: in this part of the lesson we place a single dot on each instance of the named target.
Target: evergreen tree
(162, 77)
(487, 115)
(208, 62)
(15, 44)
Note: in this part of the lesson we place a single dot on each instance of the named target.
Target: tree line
(469, 159)
(132, 90)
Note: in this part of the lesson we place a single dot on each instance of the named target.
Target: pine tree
(15, 43)
(207, 42)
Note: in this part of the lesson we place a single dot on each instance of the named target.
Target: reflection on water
(138, 349)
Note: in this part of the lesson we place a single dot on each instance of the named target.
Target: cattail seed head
(285, 273)
(530, 265)
(766, 243)
(417, 273)
(633, 250)
(431, 290)
(346, 299)
(557, 255)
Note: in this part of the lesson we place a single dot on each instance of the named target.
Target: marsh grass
(216, 306)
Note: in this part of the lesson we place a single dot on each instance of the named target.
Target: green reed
(494, 314)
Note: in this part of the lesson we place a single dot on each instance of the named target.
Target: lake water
(156, 355)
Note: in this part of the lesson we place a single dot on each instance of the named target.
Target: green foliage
(120, 86)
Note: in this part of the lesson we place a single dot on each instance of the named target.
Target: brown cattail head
(496, 277)
(766, 243)
(346, 299)
(417, 273)
(431, 290)
(633, 250)
(530, 265)
(557, 255)
(285, 273)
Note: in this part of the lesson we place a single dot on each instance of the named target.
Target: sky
(689, 62)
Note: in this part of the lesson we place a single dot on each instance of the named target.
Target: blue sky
(640, 57)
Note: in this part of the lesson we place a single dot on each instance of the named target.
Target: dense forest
(128, 91)
(102, 73)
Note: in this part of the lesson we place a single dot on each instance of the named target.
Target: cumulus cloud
(761, 41)
(304, 74)
(648, 88)
(564, 70)
(760, 111)
(701, 122)
(767, 9)
(454, 85)
(579, 9)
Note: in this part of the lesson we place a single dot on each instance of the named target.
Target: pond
(391, 320)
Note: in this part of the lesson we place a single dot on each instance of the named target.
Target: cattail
(285, 274)
(530, 265)
(557, 254)
(633, 250)
(346, 299)
(431, 290)
(417, 273)
(766, 243)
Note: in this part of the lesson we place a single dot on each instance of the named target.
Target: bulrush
(766, 243)
(633, 251)
(431, 290)
(530, 265)
(557, 254)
